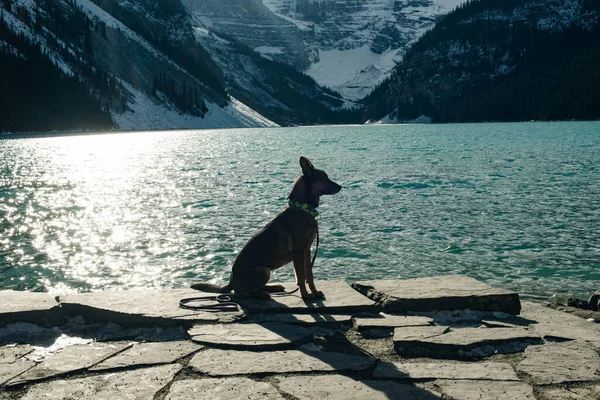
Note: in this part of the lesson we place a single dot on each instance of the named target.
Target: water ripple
(516, 205)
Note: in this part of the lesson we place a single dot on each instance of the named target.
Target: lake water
(515, 205)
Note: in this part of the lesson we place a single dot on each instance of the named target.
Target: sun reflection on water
(87, 207)
(512, 204)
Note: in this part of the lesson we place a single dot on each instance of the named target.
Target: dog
(286, 238)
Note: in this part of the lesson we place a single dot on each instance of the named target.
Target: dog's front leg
(309, 275)
(300, 272)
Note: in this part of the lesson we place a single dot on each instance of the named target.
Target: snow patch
(449, 4)
(146, 114)
(391, 119)
(267, 50)
(344, 38)
(353, 73)
(201, 31)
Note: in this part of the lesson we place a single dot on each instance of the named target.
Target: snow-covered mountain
(160, 64)
(347, 45)
(142, 81)
(495, 60)
(355, 44)
(150, 64)
(276, 90)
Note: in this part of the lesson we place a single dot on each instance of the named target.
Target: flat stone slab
(9, 371)
(390, 321)
(149, 354)
(550, 323)
(224, 388)
(141, 383)
(142, 307)
(466, 342)
(561, 363)
(10, 354)
(499, 324)
(303, 319)
(69, 359)
(232, 362)
(492, 371)
(340, 298)
(12, 301)
(412, 334)
(337, 387)
(485, 390)
(18, 306)
(572, 393)
(268, 334)
(450, 292)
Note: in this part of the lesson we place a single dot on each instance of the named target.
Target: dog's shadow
(330, 343)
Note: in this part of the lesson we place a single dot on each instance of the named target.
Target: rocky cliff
(347, 45)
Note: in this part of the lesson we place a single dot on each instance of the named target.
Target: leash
(312, 263)
(226, 302)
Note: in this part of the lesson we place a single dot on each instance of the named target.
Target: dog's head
(316, 182)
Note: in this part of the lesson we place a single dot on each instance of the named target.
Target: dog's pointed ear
(306, 165)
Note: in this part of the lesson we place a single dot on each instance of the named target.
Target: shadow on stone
(27, 333)
(340, 298)
(462, 343)
(439, 293)
(342, 363)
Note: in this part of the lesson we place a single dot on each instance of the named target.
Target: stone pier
(446, 337)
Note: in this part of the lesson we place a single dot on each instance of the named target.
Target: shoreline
(420, 338)
(36, 135)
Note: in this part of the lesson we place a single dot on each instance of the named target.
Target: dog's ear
(306, 165)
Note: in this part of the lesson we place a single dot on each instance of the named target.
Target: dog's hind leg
(252, 282)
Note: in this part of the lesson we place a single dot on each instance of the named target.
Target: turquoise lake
(515, 205)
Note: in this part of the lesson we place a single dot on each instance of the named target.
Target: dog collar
(306, 207)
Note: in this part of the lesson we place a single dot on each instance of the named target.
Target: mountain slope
(274, 89)
(36, 94)
(499, 61)
(116, 67)
(346, 45)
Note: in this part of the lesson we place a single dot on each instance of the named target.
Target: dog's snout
(334, 188)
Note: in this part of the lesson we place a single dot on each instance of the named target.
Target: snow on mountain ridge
(123, 54)
(18, 26)
(147, 113)
(358, 44)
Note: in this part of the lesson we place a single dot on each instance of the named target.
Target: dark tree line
(35, 95)
(550, 74)
(184, 51)
(66, 32)
(182, 96)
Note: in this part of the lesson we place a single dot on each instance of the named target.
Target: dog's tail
(209, 287)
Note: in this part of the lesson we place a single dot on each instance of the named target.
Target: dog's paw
(308, 296)
(318, 294)
(260, 294)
